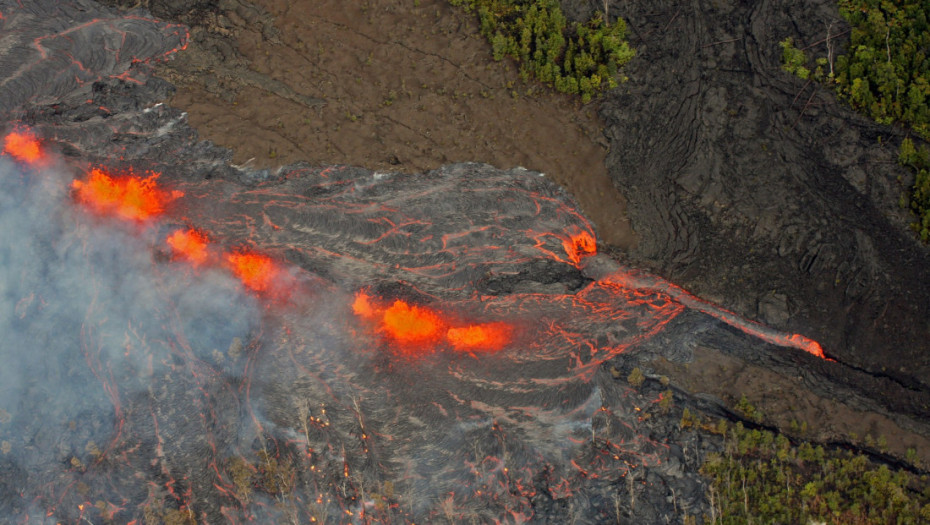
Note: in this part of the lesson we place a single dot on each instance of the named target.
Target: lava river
(186, 341)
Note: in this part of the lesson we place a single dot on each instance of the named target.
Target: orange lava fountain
(420, 330)
(128, 197)
(24, 147)
(488, 337)
(412, 324)
(190, 245)
(257, 272)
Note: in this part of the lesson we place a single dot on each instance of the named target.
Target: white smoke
(89, 310)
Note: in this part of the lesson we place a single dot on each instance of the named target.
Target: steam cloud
(85, 301)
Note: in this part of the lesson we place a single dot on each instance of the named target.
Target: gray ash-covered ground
(139, 387)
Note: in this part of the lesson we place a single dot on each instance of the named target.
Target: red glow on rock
(257, 272)
(24, 147)
(412, 324)
(580, 245)
(489, 337)
(127, 196)
(190, 245)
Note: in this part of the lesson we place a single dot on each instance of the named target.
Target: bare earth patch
(389, 85)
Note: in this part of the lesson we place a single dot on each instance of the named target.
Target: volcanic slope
(229, 351)
(761, 191)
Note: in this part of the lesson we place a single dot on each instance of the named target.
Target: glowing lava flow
(577, 245)
(638, 280)
(24, 147)
(418, 330)
(128, 196)
(190, 245)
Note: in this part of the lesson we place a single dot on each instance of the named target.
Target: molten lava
(24, 147)
(128, 196)
(808, 345)
(411, 324)
(485, 337)
(580, 245)
(362, 306)
(190, 245)
(257, 272)
(418, 329)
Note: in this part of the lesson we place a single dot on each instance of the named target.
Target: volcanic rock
(761, 191)
(168, 392)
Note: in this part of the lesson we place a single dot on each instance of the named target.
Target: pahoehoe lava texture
(762, 192)
(304, 412)
(307, 414)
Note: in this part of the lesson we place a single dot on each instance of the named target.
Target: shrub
(761, 477)
(576, 58)
(885, 74)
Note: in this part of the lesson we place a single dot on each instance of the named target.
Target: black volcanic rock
(760, 191)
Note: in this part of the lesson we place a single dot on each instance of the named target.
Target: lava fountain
(126, 196)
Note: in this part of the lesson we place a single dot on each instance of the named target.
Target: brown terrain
(387, 85)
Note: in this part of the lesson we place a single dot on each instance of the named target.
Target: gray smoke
(91, 311)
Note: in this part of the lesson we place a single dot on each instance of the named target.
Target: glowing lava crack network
(310, 343)
(403, 302)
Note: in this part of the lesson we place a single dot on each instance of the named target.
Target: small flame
(24, 147)
(128, 197)
(257, 272)
(190, 245)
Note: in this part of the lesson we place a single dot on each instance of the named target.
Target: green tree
(576, 58)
